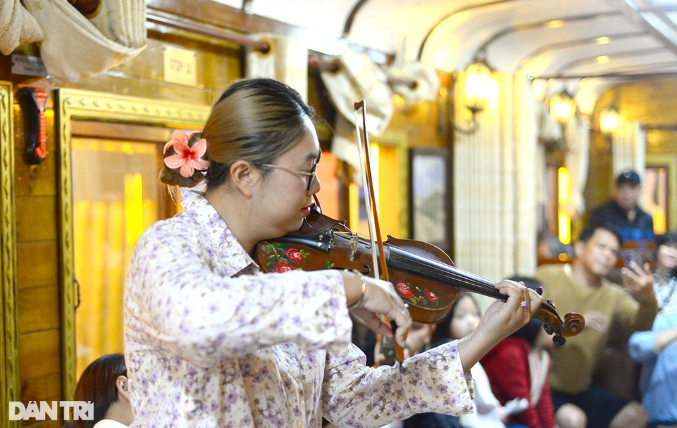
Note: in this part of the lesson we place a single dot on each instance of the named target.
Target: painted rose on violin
(430, 295)
(416, 294)
(283, 258)
(282, 267)
(404, 290)
(294, 255)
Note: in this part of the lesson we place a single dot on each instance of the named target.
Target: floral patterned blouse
(212, 342)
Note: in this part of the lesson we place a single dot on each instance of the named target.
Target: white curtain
(528, 166)
(427, 82)
(577, 132)
(357, 78)
(75, 47)
(629, 148)
(286, 61)
(495, 174)
(17, 26)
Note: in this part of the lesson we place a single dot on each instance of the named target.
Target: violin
(424, 276)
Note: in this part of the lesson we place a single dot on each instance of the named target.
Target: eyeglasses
(309, 174)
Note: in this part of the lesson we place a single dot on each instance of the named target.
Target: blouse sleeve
(177, 301)
(357, 395)
(641, 346)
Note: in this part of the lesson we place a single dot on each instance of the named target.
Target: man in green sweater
(581, 287)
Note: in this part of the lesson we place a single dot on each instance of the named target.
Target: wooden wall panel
(37, 310)
(36, 219)
(37, 271)
(41, 388)
(35, 180)
(38, 264)
(40, 354)
(44, 388)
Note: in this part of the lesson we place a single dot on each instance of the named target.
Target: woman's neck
(235, 214)
(120, 411)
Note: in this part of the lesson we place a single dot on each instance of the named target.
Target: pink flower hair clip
(187, 158)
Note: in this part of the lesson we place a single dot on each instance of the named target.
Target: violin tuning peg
(547, 327)
(539, 290)
(559, 340)
(550, 302)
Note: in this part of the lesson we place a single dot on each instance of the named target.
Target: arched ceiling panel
(387, 23)
(455, 41)
(637, 61)
(549, 63)
(507, 52)
(544, 37)
(326, 17)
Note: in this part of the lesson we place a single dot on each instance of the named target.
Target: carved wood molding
(71, 104)
(9, 346)
(220, 15)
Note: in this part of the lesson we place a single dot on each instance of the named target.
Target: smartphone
(633, 255)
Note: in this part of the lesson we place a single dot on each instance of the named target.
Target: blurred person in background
(656, 349)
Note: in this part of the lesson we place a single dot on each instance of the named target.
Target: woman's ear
(243, 176)
(122, 385)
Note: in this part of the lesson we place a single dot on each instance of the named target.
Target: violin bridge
(354, 240)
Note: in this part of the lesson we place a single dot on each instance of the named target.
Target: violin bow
(372, 212)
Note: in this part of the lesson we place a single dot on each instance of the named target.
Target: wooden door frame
(9, 323)
(669, 162)
(75, 104)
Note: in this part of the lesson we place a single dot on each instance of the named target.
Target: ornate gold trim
(662, 159)
(400, 140)
(78, 104)
(9, 346)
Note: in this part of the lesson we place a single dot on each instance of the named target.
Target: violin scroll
(573, 323)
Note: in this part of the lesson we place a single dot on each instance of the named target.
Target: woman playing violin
(212, 341)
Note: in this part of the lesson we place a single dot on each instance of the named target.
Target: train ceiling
(547, 38)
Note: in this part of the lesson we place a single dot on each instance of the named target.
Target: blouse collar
(220, 239)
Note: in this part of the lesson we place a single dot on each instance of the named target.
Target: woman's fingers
(521, 305)
(535, 302)
(380, 298)
(515, 293)
(372, 321)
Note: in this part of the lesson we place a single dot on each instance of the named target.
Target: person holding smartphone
(656, 349)
(581, 287)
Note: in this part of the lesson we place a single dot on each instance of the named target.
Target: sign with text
(82, 410)
(28, 65)
(180, 66)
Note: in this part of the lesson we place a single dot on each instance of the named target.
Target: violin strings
(442, 272)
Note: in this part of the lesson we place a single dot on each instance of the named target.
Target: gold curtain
(115, 198)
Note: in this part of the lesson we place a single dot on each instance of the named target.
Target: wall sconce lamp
(478, 86)
(562, 107)
(609, 119)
